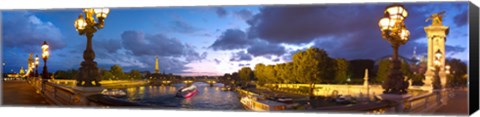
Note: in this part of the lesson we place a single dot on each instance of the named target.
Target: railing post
(81, 93)
(398, 99)
(426, 101)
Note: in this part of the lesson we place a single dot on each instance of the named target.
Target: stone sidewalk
(20, 93)
(458, 105)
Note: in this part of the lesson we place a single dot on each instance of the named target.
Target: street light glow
(101, 12)
(80, 23)
(438, 54)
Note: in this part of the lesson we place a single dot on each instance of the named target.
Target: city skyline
(218, 40)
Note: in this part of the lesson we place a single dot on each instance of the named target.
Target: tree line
(115, 73)
(314, 66)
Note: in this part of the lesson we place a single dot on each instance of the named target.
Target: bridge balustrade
(58, 93)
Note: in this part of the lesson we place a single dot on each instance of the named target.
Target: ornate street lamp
(447, 69)
(394, 31)
(436, 81)
(32, 70)
(45, 55)
(87, 26)
(36, 65)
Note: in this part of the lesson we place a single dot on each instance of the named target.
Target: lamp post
(87, 26)
(348, 86)
(449, 76)
(394, 31)
(36, 65)
(45, 55)
(32, 69)
(436, 81)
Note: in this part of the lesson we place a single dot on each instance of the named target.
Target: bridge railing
(60, 95)
(427, 103)
(57, 93)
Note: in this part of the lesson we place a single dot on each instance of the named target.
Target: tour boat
(114, 92)
(256, 103)
(285, 99)
(226, 88)
(187, 92)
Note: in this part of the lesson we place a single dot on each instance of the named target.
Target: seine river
(209, 98)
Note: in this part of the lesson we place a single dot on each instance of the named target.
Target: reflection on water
(206, 98)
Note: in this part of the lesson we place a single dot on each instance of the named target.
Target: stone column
(365, 78)
(436, 35)
(82, 93)
(399, 99)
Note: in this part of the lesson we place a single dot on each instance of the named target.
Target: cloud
(183, 27)
(243, 65)
(231, 39)
(344, 31)
(147, 63)
(141, 45)
(263, 48)
(192, 55)
(217, 61)
(303, 24)
(221, 12)
(461, 19)
(110, 45)
(26, 31)
(244, 14)
(451, 50)
(276, 60)
(241, 56)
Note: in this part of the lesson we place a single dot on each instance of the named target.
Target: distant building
(21, 72)
(157, 74)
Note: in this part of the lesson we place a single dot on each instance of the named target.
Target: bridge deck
(20, 93)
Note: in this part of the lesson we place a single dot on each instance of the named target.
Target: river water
(208, 98)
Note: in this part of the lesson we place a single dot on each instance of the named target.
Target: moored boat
(114, 93)
(257, 103)
(227, 88)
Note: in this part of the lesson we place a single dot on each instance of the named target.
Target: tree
(312, 65)
(245, 74)
(61, 75)
(106, 75)
(135, 74)
(357, 68)
(289, 73)
(341, 70)
(117, 72)
(281, 72)
(271, 74)
(458, 72)
(383, 70)
(405, 69)
(69, 74)
(259, 73)
(417, 79)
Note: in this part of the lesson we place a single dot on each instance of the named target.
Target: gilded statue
(436, 18)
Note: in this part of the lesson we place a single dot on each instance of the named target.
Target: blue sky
(215, 40)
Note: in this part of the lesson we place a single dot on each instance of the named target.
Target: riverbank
(304, 101)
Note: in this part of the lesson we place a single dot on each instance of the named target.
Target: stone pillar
(436, 35)
(82, 93)
(398, 99)
(365, 78)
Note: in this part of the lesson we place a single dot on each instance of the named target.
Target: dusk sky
(215, 40)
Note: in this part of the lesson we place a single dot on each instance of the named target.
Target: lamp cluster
(392, 24)
(81, 24)
(438, 56)
(89, 73)
(45, 52)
